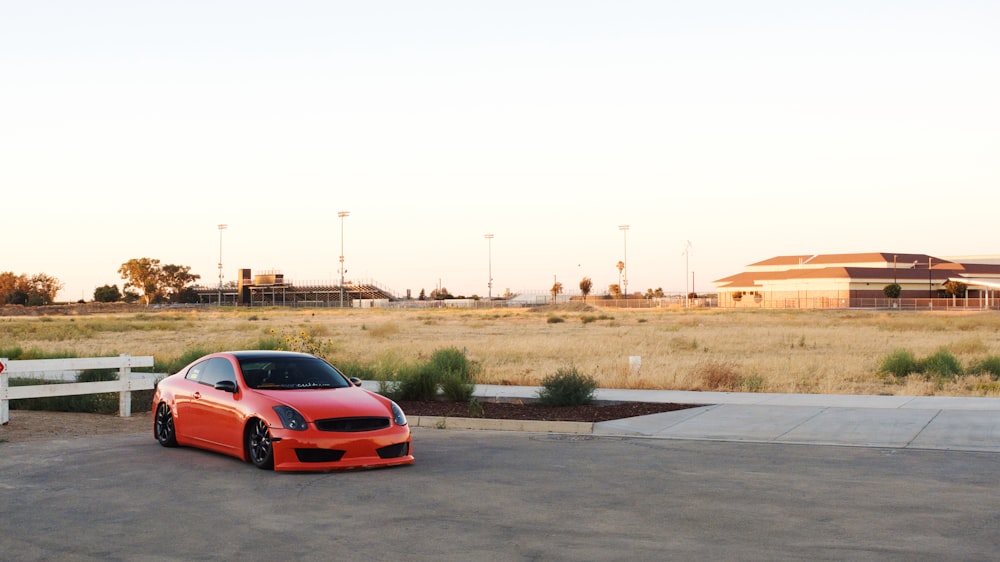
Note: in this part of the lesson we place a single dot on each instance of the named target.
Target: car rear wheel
(164, 426)
(260, 450)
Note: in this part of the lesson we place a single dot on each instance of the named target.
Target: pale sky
(751, 129)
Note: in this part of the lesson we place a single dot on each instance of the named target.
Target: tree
(955, 288)
(43, 288)
(423, 295)
(615, 290)
(39, 289)
(441, 294)
(556, 289)
(142, 274)
(9, 283)
(585, 286)
(892, 291)
(175, 280)
(107, 293)
(621, 268)
(158, 282)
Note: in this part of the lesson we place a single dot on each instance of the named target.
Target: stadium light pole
(624, 229)
(489, 285)
(221, 228)
(687, 272)
(342, 214)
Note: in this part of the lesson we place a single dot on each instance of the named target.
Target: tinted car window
(212, 371)
(289, 373)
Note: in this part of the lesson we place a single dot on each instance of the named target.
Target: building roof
(872, 267)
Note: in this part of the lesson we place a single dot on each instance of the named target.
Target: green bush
(456, 387)
(567, 387)
(899, 363)
(417, 383)
(987, 366)
(452, 360)
(942, 364)
(174, 364)
(356, 369)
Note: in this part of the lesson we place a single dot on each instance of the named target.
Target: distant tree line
(37, 290)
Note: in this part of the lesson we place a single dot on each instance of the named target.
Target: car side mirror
(226, 386)
(355, 381)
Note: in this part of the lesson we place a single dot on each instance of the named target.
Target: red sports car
(280, 410)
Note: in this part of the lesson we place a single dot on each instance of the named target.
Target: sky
(721, 132)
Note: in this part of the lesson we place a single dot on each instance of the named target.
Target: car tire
(163, 427)
(260, 449)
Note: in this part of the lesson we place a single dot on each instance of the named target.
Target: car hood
(317, 404)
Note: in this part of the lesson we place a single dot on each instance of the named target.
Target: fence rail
(67, 369)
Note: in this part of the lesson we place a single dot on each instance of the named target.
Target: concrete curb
(531, 426)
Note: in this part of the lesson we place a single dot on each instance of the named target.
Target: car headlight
(290, 418)
(397, 414)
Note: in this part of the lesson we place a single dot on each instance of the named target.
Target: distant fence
(67, 369)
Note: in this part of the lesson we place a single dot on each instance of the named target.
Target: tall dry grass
(836, 352)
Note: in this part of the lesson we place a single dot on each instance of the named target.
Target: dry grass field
(836, 352)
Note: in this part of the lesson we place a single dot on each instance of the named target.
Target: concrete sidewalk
(914, 422)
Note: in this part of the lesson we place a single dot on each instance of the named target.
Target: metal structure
(221, 228)
(624, 229)
(489, 285)
(342, 214)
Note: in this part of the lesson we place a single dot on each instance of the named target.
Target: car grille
(393, 451)
(319, 455)
(352, 424)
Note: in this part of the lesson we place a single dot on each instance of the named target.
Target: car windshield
(290, 373)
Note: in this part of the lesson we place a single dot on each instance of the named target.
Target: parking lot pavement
(501, 496)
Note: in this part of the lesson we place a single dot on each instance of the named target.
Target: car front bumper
(314, 450)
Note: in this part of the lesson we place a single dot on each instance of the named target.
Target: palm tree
(555, 290)
(621, 268)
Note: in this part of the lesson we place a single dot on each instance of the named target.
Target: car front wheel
(164, 426)
(260, 450)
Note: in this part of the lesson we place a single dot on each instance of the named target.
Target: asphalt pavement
(904, 422)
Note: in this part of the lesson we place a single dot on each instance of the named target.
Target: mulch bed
(529, 411)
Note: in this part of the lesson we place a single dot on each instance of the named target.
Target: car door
(212, 415)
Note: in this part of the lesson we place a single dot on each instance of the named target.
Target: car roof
(265, 354)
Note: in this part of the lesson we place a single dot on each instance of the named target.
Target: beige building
(859, 280)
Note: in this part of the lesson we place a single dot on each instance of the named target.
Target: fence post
(4, 403)
(125, 395)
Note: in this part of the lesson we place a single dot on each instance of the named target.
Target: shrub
(719, 376)
(987, 366)
(567, 387)
(941, 363)
(752, 383)
(899, 363)
(356, 369)
(452, 360)
(415, 383)
(555, 319)
(456, 387)
(175, 364)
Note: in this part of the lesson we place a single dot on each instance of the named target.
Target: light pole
(342, 214)
(687, 269)
(489, 286)
(221, 228)
(624, 229)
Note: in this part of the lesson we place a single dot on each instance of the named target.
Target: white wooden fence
(66, 369)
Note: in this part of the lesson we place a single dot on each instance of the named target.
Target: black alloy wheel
(258, 444)
(164, 426)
